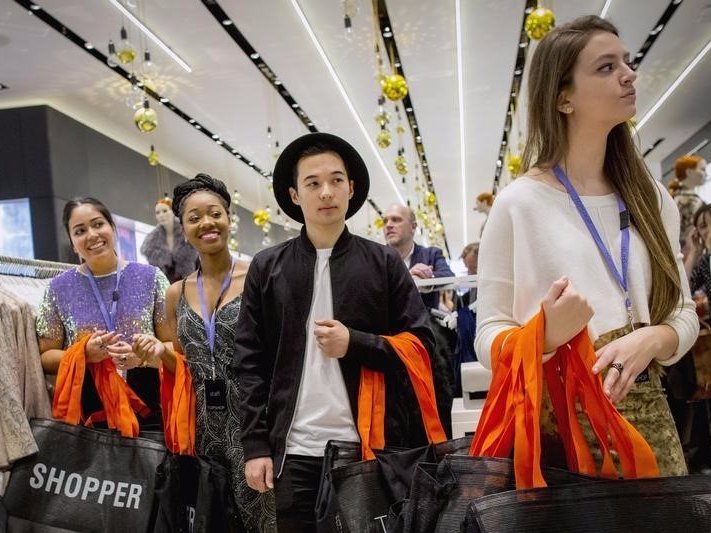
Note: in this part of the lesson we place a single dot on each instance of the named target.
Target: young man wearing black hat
(314, 310)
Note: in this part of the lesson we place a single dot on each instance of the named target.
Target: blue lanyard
(624, 245)
(109, 316)
(209, 320)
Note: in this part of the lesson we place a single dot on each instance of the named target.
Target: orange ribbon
(371, 395)
(120, 402)
(511, 415)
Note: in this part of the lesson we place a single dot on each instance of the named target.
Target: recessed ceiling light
(251, 164)
(255, 55)
(277, 82)
(234, 151)
(215, 136)
(192, 121)
(227, 22)
(219, 142)
(408, 109)
(198, 126)
(88, 46)
(294, 105)
(387, 33)
(35, 7)
(164, 100)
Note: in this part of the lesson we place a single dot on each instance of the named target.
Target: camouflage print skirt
(645, 406)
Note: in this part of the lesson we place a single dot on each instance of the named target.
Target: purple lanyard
(624, 245)
(209, 320)
(109, 316)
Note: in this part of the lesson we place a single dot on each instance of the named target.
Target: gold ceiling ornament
(401, 164)
(430, 198)
(125, 51)
(236, 197)
(382, 117)
(439, 228)
(233, 244)
(266, 227)
(394, 87)
(378, 223)
(384, 138)
(513, 163)
(539, 22)
(261, 217)
(146, 119)
(153, 156)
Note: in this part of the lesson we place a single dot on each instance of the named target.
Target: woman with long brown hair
(587, 235)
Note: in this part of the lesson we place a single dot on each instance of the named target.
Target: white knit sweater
(535, 235)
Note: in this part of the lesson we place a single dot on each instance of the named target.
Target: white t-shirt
(535, 235)
(323, 411)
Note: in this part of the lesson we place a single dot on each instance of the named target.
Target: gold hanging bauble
(394, 87)
(430, 198)
(439, 228)
(233, 244)
(126, 53)
(401, 165)
(379, 223)
(539, 22)
(384, 138)
(146, 119)
(400, 129)
(382, 118)
(369, 231)
(513, 163)
(152, 157)
(261, 217)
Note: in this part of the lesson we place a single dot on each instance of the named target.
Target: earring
(568, 109)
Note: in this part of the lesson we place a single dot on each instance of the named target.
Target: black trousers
(295, 492)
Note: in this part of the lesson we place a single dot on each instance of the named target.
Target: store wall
(50, 158)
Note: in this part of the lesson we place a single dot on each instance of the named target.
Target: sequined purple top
(69, 309)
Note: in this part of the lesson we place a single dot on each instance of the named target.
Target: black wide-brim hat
(283, 176)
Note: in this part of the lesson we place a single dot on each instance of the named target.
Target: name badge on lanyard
(109, 316)
(621, 277)
(215, 389)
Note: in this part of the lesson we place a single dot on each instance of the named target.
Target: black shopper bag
(680, 504)
(356, 497)
(83, 479)
(193, 495)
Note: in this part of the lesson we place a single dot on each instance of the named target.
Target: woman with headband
(202, 313)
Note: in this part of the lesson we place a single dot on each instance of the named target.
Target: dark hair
(472, 247)
(706, 208)
(201, 182)
(316, 149)
(76, 202)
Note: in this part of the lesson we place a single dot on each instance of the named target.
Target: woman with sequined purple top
(108, 299)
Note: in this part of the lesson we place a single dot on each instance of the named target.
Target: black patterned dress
(217, 432)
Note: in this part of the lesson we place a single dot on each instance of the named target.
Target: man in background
(426, 262)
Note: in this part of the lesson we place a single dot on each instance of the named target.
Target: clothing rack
(31, 268)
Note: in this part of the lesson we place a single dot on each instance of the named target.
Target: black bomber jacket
(373, 295)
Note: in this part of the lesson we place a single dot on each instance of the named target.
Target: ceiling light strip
(388, 35)
(605, 9)
(36, 10)
(152, 36)
(231, 29)
(344, 95)
(654, 33)
(462, 134)
(516, 82)
(674, 85)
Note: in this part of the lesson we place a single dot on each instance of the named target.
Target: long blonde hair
(551, 71)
